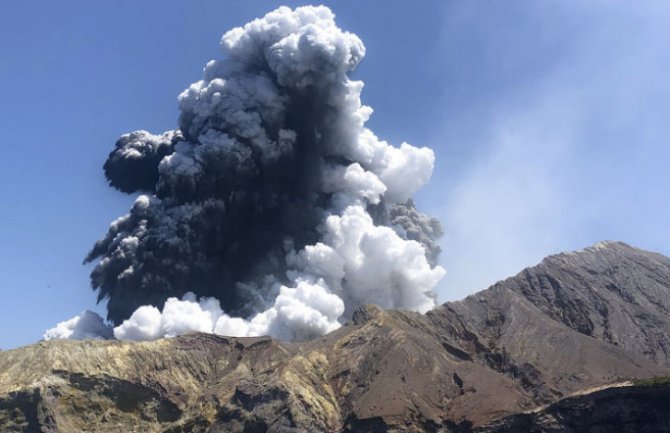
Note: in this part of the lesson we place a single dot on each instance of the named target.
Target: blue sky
(549, 121)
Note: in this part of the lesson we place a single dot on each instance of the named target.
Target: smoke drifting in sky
(270, 202)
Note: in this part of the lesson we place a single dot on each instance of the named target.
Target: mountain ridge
(571, 323)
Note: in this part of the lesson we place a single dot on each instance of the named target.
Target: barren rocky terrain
(564, 346)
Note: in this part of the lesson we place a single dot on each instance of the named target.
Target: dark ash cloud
(271, 198)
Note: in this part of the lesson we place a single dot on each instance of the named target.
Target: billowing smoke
(87, 325)
(270, 201)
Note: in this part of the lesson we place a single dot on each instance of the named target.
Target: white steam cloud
(85, 326)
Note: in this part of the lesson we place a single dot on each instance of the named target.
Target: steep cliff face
(487, 363)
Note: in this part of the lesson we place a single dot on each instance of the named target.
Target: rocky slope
(610, 291)
(507, 359)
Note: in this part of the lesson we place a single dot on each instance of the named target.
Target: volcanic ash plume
(271, 209)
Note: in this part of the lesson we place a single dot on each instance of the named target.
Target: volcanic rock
(570, 345)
